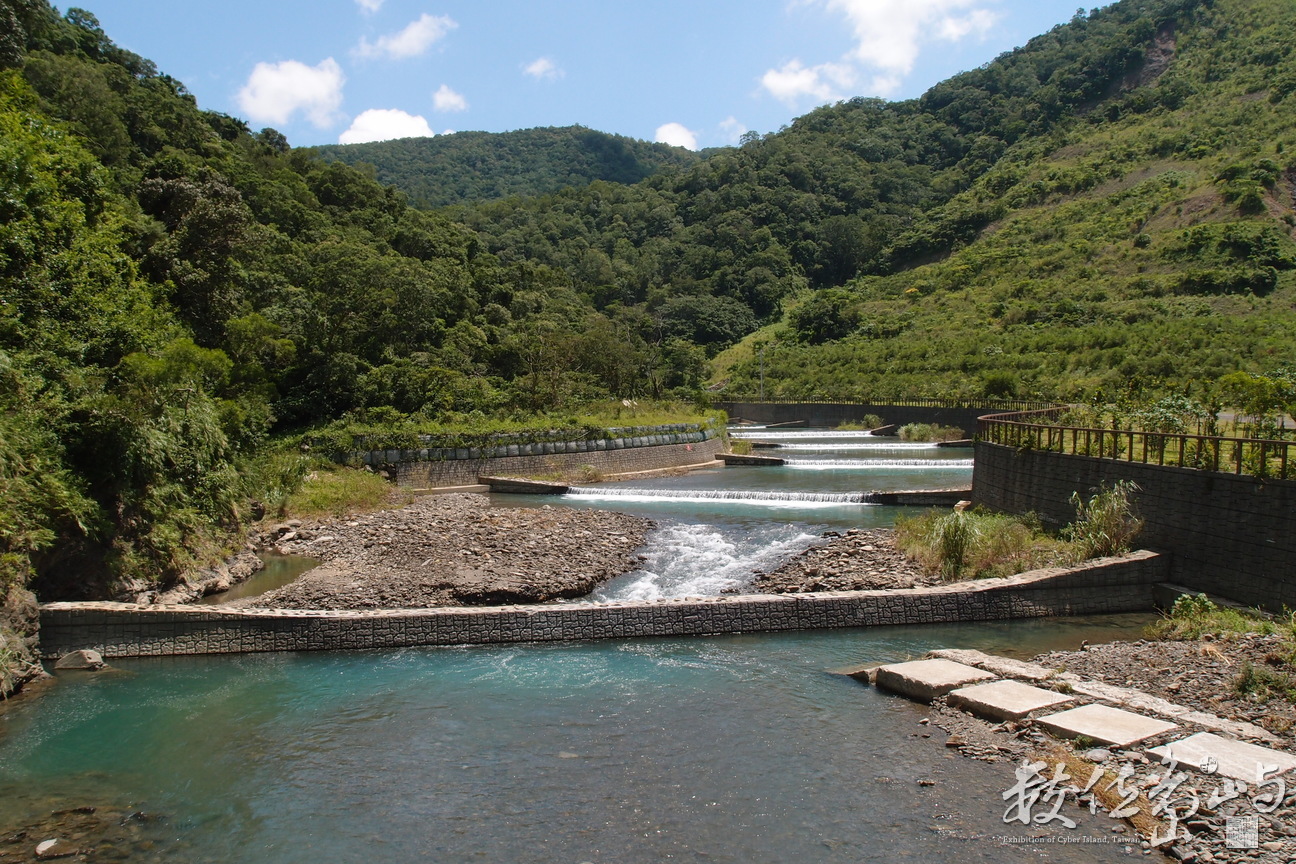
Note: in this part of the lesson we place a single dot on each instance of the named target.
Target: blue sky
(695, 74)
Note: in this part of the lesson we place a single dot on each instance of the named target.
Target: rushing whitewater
(699, 560)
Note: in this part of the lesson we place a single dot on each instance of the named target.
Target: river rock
(84, 659)
(56, 848)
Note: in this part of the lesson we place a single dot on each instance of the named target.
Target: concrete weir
(1107, 585)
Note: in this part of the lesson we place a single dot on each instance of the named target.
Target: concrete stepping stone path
(1004, 700)
(1108, 726)
(1234, 759)
(924, 680)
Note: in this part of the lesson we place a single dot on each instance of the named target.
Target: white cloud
(276, 91)
(417, 37)
(732, 129)
(677, 135)
(889, 33)
(543, 68)
(795, 81)
(978, 21)
(445, 99)
(369, 6)
(383, 124)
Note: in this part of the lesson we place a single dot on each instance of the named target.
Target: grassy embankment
(975, 544)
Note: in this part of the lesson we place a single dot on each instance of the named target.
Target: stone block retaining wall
(676, 446)
(1223, 534)
(126, 630)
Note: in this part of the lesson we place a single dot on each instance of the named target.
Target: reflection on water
(278, 571)
(728, 749)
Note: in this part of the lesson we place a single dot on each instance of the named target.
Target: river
(723, 749)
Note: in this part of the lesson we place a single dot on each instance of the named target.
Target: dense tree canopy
(1110, 206)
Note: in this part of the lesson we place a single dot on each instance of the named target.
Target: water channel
(723, 749)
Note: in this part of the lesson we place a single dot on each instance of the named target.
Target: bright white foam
(862, 445)
(800, 433)
(875, 464)
(737, 496)
(690, 560)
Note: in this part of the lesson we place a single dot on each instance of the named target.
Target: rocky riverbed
(856, 560)
(453, 550)
(1199, 674)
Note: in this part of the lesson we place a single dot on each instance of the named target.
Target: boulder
(84, 659)
(56, 848)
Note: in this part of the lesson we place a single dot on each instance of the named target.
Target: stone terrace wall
(430, 474)
(1224, 534)
(124, 630)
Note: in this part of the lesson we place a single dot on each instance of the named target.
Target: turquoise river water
(722, 749)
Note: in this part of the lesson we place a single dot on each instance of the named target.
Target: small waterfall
(621, 493)
(877, 445)
(687, 560)
(875, 464)
(779, 433)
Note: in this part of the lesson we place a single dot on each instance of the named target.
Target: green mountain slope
(1145, 244)
(1110, 207)
(1019, 228)
(484, 166)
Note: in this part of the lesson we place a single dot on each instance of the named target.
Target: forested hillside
(1109, 207)
(483, 166)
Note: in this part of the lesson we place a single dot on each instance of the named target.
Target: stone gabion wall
(420, 474)
(674, 446)
(1222, 533)
(125, 630)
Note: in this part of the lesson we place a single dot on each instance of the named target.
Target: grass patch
(929, 432)
(337, 491)
(1262, 683)
(974, 544)
(740, 447)
(870, 421)
(1195, 616)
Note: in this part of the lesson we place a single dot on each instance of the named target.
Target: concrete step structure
(924, 680)
(1005, 700)
(1211, 754)
(1112, 727)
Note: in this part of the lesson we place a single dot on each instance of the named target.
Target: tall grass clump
(1106, 523)
(975, 544)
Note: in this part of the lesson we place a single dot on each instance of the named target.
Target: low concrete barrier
(1104, 586)
(921, 497)
(745, 459)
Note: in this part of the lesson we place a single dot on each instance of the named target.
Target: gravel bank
(858, 560)
(453, 550)
(1200, 674)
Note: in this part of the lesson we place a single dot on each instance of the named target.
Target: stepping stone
(924, 680)
(1236, 759)
(1004, 700)
(1108, 726)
